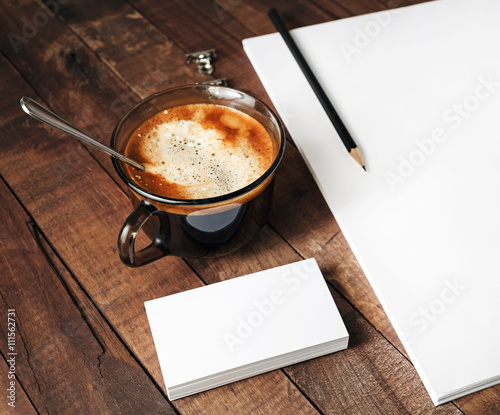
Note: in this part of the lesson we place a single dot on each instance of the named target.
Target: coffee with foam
(199, 151)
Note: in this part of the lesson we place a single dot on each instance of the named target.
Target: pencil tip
(356, 155)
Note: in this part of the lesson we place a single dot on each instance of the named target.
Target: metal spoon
(43, 114)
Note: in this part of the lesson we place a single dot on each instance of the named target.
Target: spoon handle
(43, 114)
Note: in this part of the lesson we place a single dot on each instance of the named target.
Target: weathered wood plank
(234, 14)
(193, 31)
(63, 364)
(486, 402)
(146, 59)
(387, 384)
(248, 397)
(358, 7)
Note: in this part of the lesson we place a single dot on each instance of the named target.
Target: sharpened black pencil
(342, 131)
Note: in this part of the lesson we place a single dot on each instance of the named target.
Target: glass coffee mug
(195, 228)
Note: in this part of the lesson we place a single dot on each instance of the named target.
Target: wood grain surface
(83, 342)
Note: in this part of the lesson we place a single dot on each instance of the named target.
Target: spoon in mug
(43, 114)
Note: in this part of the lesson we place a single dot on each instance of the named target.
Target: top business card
(234, 329)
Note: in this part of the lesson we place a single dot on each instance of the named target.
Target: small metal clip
(203, 59)
(216, 82)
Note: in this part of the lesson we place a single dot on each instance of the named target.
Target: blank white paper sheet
(419, 90)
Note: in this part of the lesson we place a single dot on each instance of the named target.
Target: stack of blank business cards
(234, 329)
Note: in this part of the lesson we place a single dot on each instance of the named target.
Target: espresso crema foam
(199, 151)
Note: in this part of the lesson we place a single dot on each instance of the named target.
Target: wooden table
(82, 339)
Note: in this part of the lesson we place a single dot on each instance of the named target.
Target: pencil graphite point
(356, 155)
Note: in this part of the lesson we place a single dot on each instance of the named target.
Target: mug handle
(128, 235)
